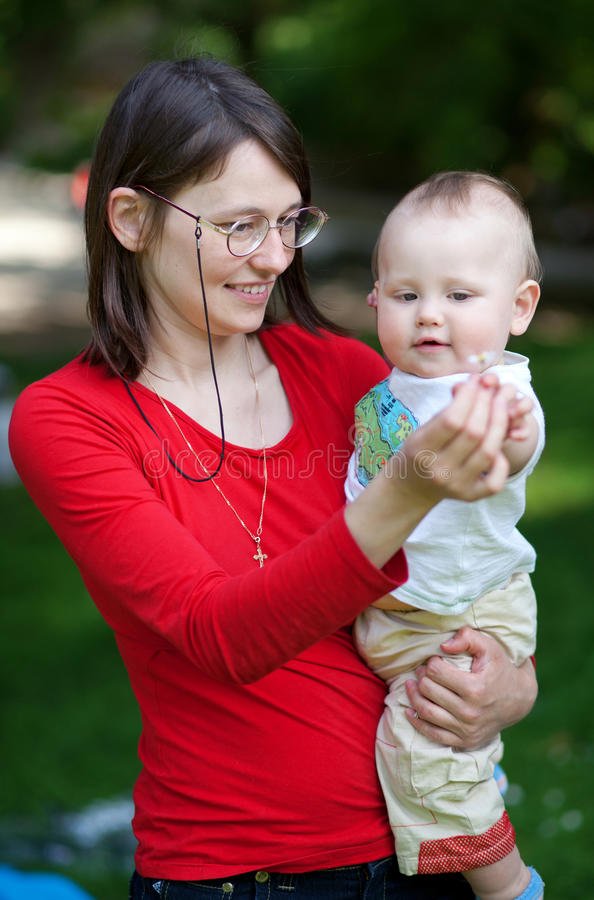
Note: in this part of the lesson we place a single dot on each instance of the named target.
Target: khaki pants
(435, 793)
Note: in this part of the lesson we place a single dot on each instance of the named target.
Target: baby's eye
(407, 296)
(459, 295)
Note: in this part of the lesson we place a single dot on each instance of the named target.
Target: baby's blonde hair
(456, 190)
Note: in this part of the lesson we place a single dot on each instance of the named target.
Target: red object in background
(78, 185)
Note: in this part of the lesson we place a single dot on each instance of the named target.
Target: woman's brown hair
(172, 125)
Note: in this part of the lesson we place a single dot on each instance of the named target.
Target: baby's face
(447, 288)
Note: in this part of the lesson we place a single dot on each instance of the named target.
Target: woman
(192, 462)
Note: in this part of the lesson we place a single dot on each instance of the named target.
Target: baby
(457, 273)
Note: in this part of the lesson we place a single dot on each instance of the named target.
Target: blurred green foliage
(384, 91)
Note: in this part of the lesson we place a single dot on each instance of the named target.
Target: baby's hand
(520, 418)
(520, 425)
(522, 432)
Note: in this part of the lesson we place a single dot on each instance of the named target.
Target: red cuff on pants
(457, 854)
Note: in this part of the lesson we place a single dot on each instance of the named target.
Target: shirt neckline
(267, 339)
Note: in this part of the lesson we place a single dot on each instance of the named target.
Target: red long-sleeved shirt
(258, 715)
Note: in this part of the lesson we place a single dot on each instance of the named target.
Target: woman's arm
(148, 573)
(467, 709)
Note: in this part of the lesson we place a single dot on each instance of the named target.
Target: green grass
(70, 724)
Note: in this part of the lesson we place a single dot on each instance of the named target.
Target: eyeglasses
(244, 236)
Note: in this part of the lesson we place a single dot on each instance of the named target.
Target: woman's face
(237, 288)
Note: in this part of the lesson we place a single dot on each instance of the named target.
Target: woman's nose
(272, 255)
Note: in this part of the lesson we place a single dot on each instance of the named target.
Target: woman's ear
(126, 214)
(527, 295)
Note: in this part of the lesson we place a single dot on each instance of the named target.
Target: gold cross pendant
(259, 555)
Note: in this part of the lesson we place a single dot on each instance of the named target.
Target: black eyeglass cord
(198, 235)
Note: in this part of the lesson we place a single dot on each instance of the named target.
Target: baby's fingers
(520, 406)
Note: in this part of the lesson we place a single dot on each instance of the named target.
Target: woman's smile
(254, 293)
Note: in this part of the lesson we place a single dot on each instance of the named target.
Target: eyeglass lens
(298, 229)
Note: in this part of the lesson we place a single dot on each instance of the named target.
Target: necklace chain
(256, 536)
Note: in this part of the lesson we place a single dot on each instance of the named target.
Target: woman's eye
(241, 227)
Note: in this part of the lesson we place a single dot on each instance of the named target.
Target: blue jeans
(379, 880)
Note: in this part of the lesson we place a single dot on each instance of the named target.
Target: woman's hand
(457, 454)
(467, 709)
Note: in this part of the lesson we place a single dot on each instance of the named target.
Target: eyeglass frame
(229, 231)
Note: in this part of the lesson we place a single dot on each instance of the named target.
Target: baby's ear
(372, 296)
(527, 296)
(126, 212)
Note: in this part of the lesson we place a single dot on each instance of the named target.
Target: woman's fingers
(458, 453)
(465, 409)
(469, 463)
(465, 709)
(435, 733)
(443, 439)
(433, 718)
(488, 453)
